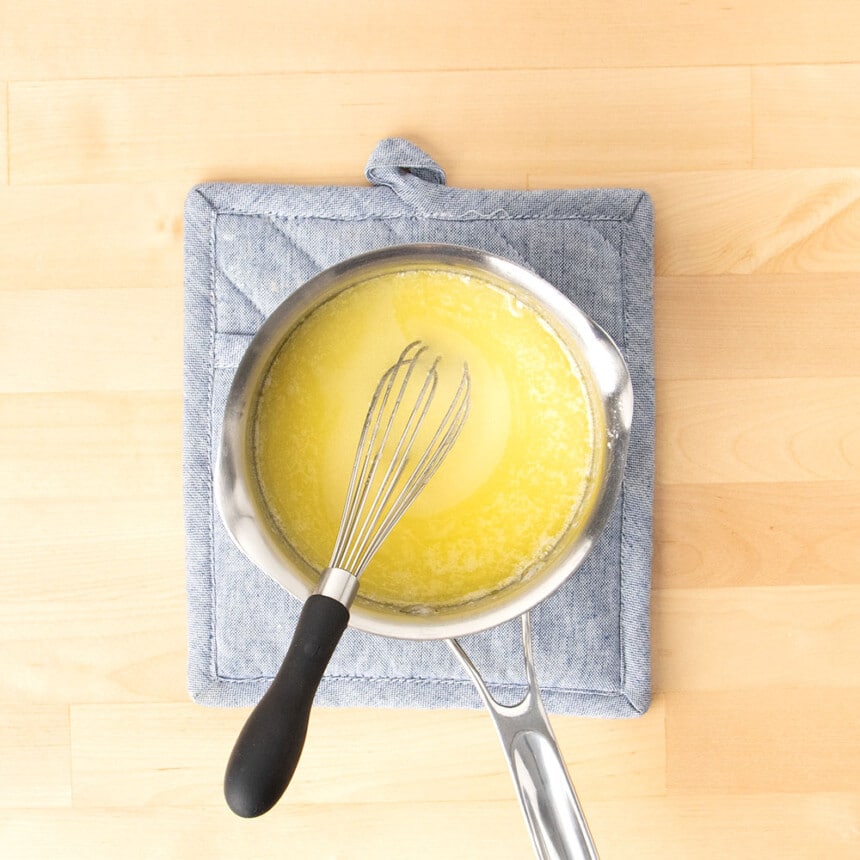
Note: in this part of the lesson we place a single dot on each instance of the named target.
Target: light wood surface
(741, 120)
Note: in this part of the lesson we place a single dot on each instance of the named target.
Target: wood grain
(757, 327)
(105, 577)
(750, 430)
(109, 39)
(807, 115)
(741, 221)
(76, 336)
(726, 535)
(302, 127)
(757, 639)
(88, 537)
(95, 553)
(71, 554)
(712, 328)
(750, 741)
(124, 445)
(100, 236)
(743, 124)
(35, 756)
(717, 222)
(790, 826)
(710, 431)
(794, 827)
(144, 663)
(366, 831)
(4, 133)
(443, 757)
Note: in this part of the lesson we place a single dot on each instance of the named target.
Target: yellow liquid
(516, 477)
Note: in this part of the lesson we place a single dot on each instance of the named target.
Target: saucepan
(553, 813)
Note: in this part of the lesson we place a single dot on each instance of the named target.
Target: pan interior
(381, 603)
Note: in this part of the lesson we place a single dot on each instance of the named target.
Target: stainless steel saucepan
(552, 811)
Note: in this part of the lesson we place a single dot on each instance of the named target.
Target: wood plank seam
(802, 105)
(419, 70)
(81, 131)
(422, 70)
(827, 219)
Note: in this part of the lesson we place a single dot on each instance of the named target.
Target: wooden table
(743, 122)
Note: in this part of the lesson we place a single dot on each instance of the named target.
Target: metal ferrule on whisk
(339, 584)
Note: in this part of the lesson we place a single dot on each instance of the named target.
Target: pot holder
(247, 247)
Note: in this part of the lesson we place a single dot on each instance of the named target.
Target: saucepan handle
(550, 805)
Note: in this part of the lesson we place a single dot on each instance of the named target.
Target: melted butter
(516, 476)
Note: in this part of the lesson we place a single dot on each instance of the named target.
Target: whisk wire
(362, 475)
(372, 507)
(426, 467)
(397, 462)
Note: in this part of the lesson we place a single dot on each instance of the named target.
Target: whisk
(397, 455)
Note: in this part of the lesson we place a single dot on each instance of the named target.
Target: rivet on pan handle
(555, 819)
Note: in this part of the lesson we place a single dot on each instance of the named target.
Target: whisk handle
(267, 750)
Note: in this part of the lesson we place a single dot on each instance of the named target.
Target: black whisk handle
(267, 750)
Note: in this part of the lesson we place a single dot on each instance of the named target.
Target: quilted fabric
(247, 247)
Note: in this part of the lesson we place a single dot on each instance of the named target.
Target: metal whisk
(393, 464)
(381, 487)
